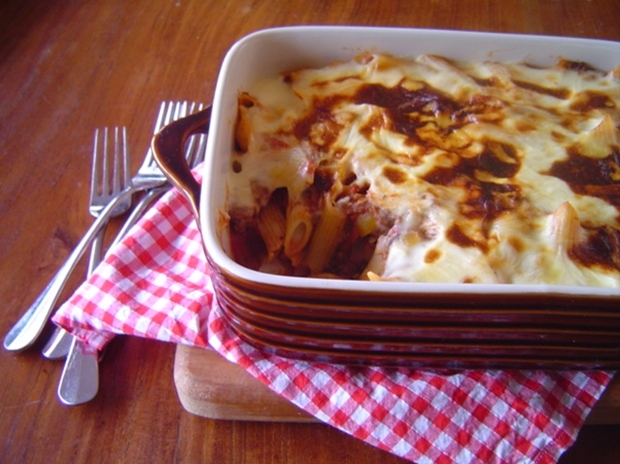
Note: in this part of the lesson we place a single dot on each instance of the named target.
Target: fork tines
(104, 159)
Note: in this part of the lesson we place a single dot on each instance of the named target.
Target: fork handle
(79, 380)
(28, 328)
(59, 343)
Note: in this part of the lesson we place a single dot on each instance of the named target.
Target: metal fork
(29, 327)
(59, 344)
(79, 381)
(105, 185)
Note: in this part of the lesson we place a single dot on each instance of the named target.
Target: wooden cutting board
(210, 386)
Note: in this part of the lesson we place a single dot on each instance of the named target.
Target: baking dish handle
(168, 150)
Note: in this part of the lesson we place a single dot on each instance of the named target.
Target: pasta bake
(430, 170)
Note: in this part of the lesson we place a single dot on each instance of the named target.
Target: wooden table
(67, 68)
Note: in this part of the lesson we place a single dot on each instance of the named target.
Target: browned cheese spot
(404, 107)
(394, 174)
(562, 94)
(602, 248)
(591, 176)
(579, 66)
(587, 101)
(319, 127)
(431, 256)
(517, 244)
(458, 237)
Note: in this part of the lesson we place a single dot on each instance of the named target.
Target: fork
(28, 328)
(79, 381)
(104, 186)
(59, 344)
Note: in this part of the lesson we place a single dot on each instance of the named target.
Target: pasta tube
(565, 227)
(325, 238)
(272, 227)
(298, 230)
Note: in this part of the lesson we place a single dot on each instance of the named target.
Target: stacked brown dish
(287, 304)
(436, 330)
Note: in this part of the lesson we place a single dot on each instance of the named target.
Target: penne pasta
(373, 277)
(272, 227)
(565, 227)
(298, 230)
(599, 142)
(243, 128)
(325, 237)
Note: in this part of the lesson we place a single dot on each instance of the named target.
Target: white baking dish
(345, 302)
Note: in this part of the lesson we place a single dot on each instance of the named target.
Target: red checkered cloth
(156, 284)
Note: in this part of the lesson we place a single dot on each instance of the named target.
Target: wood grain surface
(210, 386)
(69, 67)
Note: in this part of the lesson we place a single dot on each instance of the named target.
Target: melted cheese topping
(446, 171)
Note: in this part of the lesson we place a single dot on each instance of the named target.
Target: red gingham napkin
(156, 284)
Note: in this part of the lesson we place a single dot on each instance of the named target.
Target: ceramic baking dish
(387, 323)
